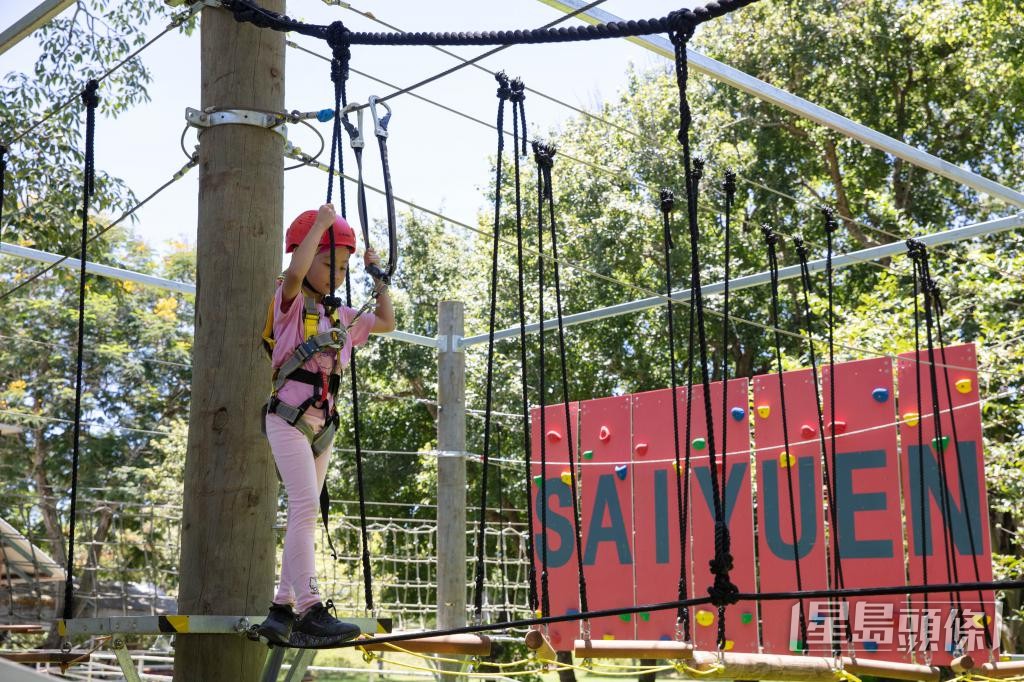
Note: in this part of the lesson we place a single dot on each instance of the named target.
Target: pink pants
(303, 477)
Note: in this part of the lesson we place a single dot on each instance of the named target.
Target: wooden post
(227, 538)
(451, 468)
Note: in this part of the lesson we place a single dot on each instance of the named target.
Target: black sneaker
(318, 624)
(277, 626)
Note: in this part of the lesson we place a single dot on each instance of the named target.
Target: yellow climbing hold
(786, 460)
(763, 411)
(567, 477)
(911, 418)
(963, 385)
(609, 636)
(705, 618)
(729, 644)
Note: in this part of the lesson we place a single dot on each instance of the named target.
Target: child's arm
(302, 257)
(385, 312)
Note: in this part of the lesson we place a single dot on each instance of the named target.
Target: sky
(438, 159)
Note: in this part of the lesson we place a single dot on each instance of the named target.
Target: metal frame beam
(38, 16)
(804, 108)
(747, 281)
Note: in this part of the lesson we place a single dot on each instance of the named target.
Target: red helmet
(297, 231)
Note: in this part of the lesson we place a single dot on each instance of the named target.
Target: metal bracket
(259, 119)
(449, 343)
(124, 660)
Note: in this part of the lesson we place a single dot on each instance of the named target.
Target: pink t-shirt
(289, 332)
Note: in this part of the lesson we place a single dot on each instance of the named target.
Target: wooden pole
(457, 645)
(230, 498)
(451, 468)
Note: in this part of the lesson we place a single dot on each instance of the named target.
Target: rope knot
(831, 225)
(801, 248)
(517, 90)
(682, 23)
(89, 97)
(544, 154)
(916, 249)
(723, 592)
(504, 89)
(770, 237)
(668, 200)
(698, 169)
(730, 184)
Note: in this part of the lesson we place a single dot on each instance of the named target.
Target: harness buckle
(380, 125)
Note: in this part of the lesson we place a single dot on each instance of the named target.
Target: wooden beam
(892, 670)
(621, 648)
(538, 643)
(1001, 669)
(46, 656)
(456, 645)
(40, 15)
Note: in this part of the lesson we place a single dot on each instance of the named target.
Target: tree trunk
(227, 540)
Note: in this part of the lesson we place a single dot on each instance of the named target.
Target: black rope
(478, 596)
(729, 187)
(827, 466)
(696, 601)
(251, 12)
(517, 99)
(667, 206)
(91, 101)
(772, 239)
(545, 608)
(922, 507)
(545, 157)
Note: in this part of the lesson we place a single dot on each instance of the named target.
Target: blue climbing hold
(880, 394)
(325, 115)
(620, 471)
(870, 645)
(665, 638)
(738, 413)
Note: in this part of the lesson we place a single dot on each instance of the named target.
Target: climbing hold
(963, 385)
(705, 618)
(625, 617)
(554, 436)
(567, 477)
(609, 637)
(665, 638)
(763, 411)
(870, 645)
(807, 430)
(620, 471)
(880, 394)
(729, 644)
(796, 645)
(675, 467)
(540, 614)
(944, 444)
(645, 616)
(746, 617)
(588, 454)
(786, 460)
(537, 479)
(980, 619)
(699, 443)
(911, 418)
(604, 433)
(837, 426)
(640, 449)
(738, 413)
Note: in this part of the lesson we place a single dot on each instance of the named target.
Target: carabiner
(355, 132)
(380, 125)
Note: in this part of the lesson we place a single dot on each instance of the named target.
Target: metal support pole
(802, 107)
(38, 16)
(451, 467)
(272, 668)
(297, 671)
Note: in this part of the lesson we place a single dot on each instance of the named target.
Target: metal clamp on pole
(215, 117)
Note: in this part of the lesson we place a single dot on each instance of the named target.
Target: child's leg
(299, 473)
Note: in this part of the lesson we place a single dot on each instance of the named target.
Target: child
(296, 450)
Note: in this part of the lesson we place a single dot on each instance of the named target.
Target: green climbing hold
(537, 479)
(747, 618)
(645, 616)
(796, 645)
(699, 443)
(588, 454)
(944, 444)
(625, 617)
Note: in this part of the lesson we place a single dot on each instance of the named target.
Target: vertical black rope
(683, 613)
(827, 467)
(939, 309)
(91, 101)
(503, 95)
(517, 98)
(922, 507)
(729, 186)
(542, 388)
(772, 239)
(545, 155)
